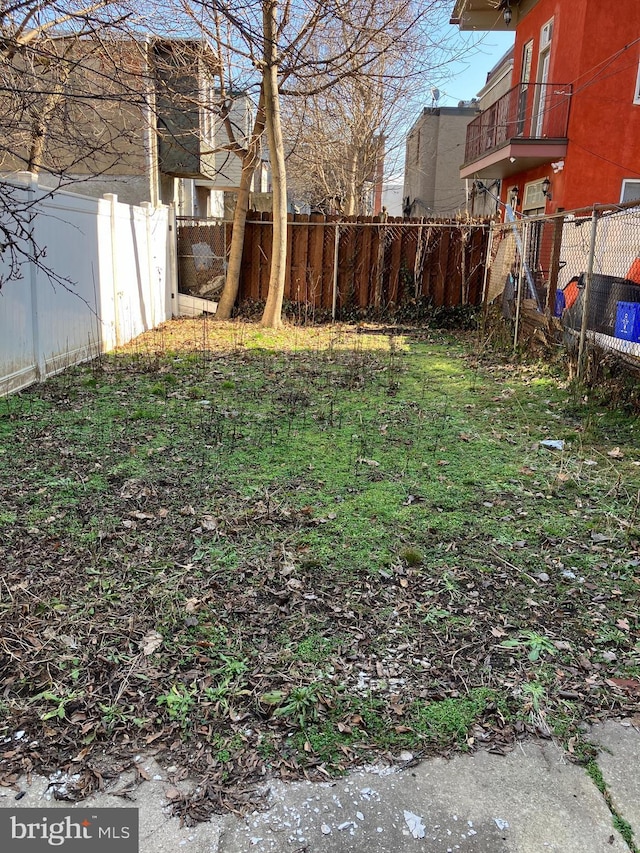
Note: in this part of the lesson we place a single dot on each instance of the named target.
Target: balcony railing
(531, 111)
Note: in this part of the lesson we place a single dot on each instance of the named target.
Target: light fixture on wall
(507, 14)
(513, 197)
(546, 188)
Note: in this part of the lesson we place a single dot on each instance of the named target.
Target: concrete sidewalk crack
(619, 822)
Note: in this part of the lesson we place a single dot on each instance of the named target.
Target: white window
(544, 62)
(630, 190)
(207, 112)
(636, 96)
(527, 56)
(534, 199)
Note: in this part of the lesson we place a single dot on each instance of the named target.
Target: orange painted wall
(588, 51)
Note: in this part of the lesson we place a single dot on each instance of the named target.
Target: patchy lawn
(256, 553)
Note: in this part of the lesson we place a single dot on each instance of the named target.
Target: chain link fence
(571, 278)
(202, 256)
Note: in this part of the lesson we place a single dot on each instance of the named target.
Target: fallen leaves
(629, 685)
(226, 577)
(151, 642)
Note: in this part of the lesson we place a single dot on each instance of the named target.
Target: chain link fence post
(521, 274)
(587, 295)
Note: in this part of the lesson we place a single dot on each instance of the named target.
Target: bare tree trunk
(232, 279)
(40, 127)
(250, 160)
(272, 316)
(350, 207)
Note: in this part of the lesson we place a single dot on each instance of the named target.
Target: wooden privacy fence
(341, 264)
(360, 263)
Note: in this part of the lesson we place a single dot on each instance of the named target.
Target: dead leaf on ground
(142, 771)
(630, 685)
(151, 642)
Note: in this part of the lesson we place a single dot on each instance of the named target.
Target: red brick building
(567, 133)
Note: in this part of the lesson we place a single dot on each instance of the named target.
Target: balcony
(526, 127)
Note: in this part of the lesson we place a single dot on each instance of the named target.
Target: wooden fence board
(316, 259)
(265, 237)
(395, 265)
(367, 262)
(289, 291)
(347, 268)
(441, 280)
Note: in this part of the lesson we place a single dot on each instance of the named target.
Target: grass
(309, 549)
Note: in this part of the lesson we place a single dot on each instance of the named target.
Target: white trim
(542, 77)
(625, 183)
(533, 197)
(527, 63)
(636, 96)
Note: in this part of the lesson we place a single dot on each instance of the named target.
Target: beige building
(435, 148)
(484, 195)
(141, 119)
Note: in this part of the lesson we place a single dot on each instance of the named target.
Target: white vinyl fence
(114, 277)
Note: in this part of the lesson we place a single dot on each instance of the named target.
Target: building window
(534, 199)
(544, 63)
(630, 191)
(207, 112)
(636, 96)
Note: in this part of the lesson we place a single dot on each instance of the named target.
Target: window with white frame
(630, 190)
(534, 199)
(636, 94)
(207, 111)
(546, 34)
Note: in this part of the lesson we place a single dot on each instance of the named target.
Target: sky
(464, 77)
(467, 76)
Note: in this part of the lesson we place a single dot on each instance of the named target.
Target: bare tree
(67, 123)
(48, 124)
(294, 42)
(335, 143)
(272, 316)
(340, 131)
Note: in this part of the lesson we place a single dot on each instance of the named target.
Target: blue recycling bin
(628, 321)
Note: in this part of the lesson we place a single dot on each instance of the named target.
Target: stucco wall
(589, 51)
(435, 149)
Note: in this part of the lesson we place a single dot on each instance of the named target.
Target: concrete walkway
(530, 801)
